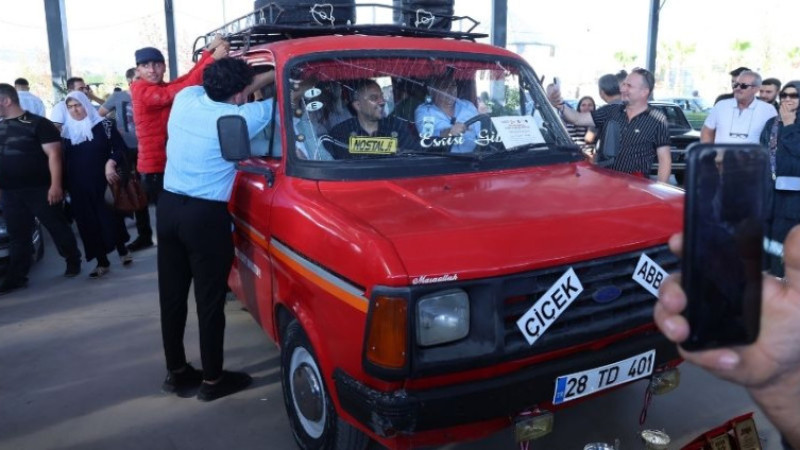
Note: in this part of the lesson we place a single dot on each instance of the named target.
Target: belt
(787, 183)
(188, 198)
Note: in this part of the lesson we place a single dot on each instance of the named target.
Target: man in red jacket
(152, 101)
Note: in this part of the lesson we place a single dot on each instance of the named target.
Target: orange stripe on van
(355, 301)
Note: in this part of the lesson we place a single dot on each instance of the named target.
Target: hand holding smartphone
(724, 220)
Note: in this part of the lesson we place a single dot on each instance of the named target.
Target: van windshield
(368, 110)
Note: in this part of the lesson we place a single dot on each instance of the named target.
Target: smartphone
(725, 213)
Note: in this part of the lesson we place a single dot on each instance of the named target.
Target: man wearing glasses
(738, 120)
(59, 113)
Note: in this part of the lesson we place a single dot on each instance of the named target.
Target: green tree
(625, 59)
(794, 57)
(740, 49)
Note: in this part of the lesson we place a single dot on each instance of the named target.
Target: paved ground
(81, 366)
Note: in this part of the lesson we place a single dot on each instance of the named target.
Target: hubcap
(308, 392)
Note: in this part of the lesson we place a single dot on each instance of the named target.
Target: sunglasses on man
(742, 85)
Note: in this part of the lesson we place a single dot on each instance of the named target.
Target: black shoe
(183, 383)
(73, 269)
(6, 287)
(140, 243)
(229, 383)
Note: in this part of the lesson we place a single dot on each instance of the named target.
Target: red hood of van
(490, 223)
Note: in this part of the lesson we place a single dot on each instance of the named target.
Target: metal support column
(499, 22)
(652, 35)
(58, 42)
(173, 59)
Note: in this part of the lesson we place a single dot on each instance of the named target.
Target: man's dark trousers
(20, 206)
(194, 243)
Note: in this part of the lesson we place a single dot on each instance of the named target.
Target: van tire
(319, 427)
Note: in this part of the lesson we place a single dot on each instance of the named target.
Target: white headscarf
(78, 131)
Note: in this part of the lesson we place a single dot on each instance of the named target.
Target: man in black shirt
(643, 131)
(380, 136)
(30, 180)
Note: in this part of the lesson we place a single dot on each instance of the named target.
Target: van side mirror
(234, 140)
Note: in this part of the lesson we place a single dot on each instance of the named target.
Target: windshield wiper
(514, 151)
(457, 156)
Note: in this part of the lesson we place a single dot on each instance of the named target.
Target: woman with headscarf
(781, 137)
(92, 150)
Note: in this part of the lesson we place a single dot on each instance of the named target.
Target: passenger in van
(306, 122)
(410, 94)
(390, 135)
(440, 121)
(333, 112)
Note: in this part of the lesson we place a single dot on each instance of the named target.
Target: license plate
(580, 384)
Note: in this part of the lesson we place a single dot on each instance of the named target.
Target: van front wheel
(314, 421)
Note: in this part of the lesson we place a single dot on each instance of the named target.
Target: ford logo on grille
(606, 294)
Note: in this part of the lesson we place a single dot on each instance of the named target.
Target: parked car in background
(694, 108)
(681, 135)
(38, 243)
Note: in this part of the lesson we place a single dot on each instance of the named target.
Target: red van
(431, 253)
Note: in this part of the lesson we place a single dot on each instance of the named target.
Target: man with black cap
(152, 101)
(734, 75)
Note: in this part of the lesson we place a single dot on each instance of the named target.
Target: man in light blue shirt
(194, 226)
(440, 120)
(195, 166)
(27, 100)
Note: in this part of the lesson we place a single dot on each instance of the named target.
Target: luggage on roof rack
(330, 12)
(275, 22)
(431, 14)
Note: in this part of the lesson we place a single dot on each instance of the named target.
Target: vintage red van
(448, 274)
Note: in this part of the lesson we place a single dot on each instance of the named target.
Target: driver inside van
(370, 132)
(441, 119)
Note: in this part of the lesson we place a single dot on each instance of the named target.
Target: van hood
(492, 223)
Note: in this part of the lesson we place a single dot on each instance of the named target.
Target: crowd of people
(633, 134)
(80, 151)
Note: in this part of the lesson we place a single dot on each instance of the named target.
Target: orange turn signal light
(387, 335)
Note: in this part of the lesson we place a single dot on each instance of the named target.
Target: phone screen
(725, 212)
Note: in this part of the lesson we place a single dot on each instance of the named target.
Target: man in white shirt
(28, 101)
(738, 120)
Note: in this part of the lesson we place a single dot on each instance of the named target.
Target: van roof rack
(268, 24)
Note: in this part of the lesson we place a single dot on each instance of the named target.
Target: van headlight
(442, 317)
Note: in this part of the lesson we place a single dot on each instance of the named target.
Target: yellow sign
(367, 145)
